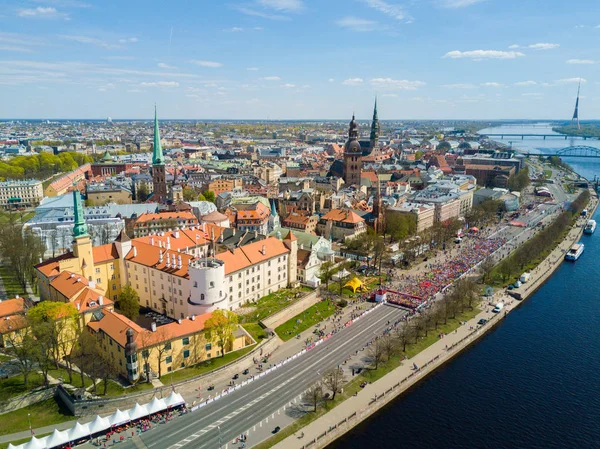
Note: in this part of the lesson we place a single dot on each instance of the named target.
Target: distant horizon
(150, 119)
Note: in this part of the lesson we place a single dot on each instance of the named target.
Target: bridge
(572, 151)
(543, 136)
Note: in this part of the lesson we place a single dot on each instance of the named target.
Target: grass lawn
(61, 373)
(547, 173)
(24, 440)
(256, 331)
(305, 320)
(4, 358)
(353, 385)
(273, 303)
(114, 389)
(42, 414)
(14, 386)
(204, 367)
(11, 284)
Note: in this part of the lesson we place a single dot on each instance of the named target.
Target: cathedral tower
(159, 173)
(352, 156)
(374, 137)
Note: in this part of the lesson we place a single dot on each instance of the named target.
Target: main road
(222, 421)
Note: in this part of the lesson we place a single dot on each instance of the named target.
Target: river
(532, 382)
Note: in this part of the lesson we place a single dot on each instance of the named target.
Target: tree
(376, 353)
(221, 327)
(389, 347)
(314, 395)
(201, 197)
(485, 269)
(146, 340)
(164, 336)
(22, 346)
(210, 196)
(189, 194)
(142, 193)
(326, 272)
(403, 334)
(334, 380)
(88, 354)
(129, 302)
(108, 369)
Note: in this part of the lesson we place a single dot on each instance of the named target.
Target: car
(276, 429)
(236, 376)
(482, 321)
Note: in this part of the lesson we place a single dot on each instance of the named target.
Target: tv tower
(576, 112)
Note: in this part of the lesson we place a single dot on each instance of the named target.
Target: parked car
(482, 321)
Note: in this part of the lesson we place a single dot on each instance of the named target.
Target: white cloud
(41, 12)
(459, 86)
(571, 81)
(543, 46)
(525, 83)
(271, 78)
(513, 46)
(283, 5)
(15, 48)
(492, 84)
(160, 84)
(264, 15)
(129, 40)
(581, 61)
(483, 54)
(252, 69)
(389, 95)
(120, 58)
(394, 11)
(134, 90)
(353, 81)
(288, 86)
(162, 65)
(91, 41)
(233, 30)
(459, 3)
(210, 64)
(331, 80)
(533, 94)
(356, 24)
(392, 84)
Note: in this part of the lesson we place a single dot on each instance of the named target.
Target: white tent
(138, 411)
(99, 424)
(341, 275)
(36, 443)
(79, 431)
(174, 399)
(314, 281)
(156, 405)
(58, 438)
(118, 418)
(12, 446)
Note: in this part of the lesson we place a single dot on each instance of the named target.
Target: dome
(214, 217)
(352, 146)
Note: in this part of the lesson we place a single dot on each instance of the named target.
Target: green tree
(129, 302)
(326, 272)
(221, 326)
(210, 196)
(189, 194)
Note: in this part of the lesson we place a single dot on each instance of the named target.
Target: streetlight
(29, 419)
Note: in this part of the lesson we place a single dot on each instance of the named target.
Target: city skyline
(299, 59)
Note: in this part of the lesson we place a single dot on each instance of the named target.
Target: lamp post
(29, 419)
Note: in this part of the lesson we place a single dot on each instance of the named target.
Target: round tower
(208, 289)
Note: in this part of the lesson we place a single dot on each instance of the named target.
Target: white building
(26, 193)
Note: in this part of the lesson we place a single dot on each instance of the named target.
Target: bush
(342, 303)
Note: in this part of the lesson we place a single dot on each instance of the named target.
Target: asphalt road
(222, 421)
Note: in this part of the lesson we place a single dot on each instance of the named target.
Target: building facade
(17, 194)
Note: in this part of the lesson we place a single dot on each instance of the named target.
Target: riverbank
(335, 423)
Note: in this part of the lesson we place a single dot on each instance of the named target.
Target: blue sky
(299, 59)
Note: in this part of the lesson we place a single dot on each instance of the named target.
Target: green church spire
(157, 155)
(80, 228)
(374, 138)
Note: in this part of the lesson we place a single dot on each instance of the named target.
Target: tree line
(41, 165)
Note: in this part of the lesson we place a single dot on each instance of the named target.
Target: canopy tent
(355, 284)
(36, 443)
(58, 438)
(156, 405)
(12, 446)
(174, 399)
(138, 411)
(99, 424)
(79, 431)
(118, 418)
(341, 275)
(314, 281)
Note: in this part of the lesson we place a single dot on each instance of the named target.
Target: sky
(299, 59)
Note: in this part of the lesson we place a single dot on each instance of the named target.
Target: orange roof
(149, 256)
(343, 215)
(50, 267)
(370, 175)
(297, 218)
(89, 299)
(115, 326)
(69, 284)
(10, 307)
(14, 323)
(104, 253)
(182, 215)
(251, 254)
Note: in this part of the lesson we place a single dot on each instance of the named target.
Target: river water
(531, 382)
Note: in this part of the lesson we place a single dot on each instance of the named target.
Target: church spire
(374, 138)
(80, 228)
(157, 155)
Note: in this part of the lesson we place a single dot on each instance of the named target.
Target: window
(98, 281)
(186, 353)
(185, 341)
(208, 346)
(202, 296)
(97, 270)
(168, 346)
(169, 359)
(211, 284)
(113, 277)
(195, 284)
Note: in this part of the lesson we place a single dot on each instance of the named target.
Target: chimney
(72, 275)
(263, 250)
(160, 257)
(100, 300)
(179, 321)
(78, 306)
(160, 243)
(78, 279)
(153, 326)
(176, 234)
(92, 284)
(193, 318)
(168, 262)
(173, 260)
(134, 251)
(179, 262)
(16, 296)
(152, 240)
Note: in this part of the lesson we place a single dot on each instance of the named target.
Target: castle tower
(291, 242)
(82, 244)
(374, 137)
(352, 156)
(159, 174)
(378, 215)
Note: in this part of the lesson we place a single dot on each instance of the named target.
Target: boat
(575, 252)
(590, 227)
